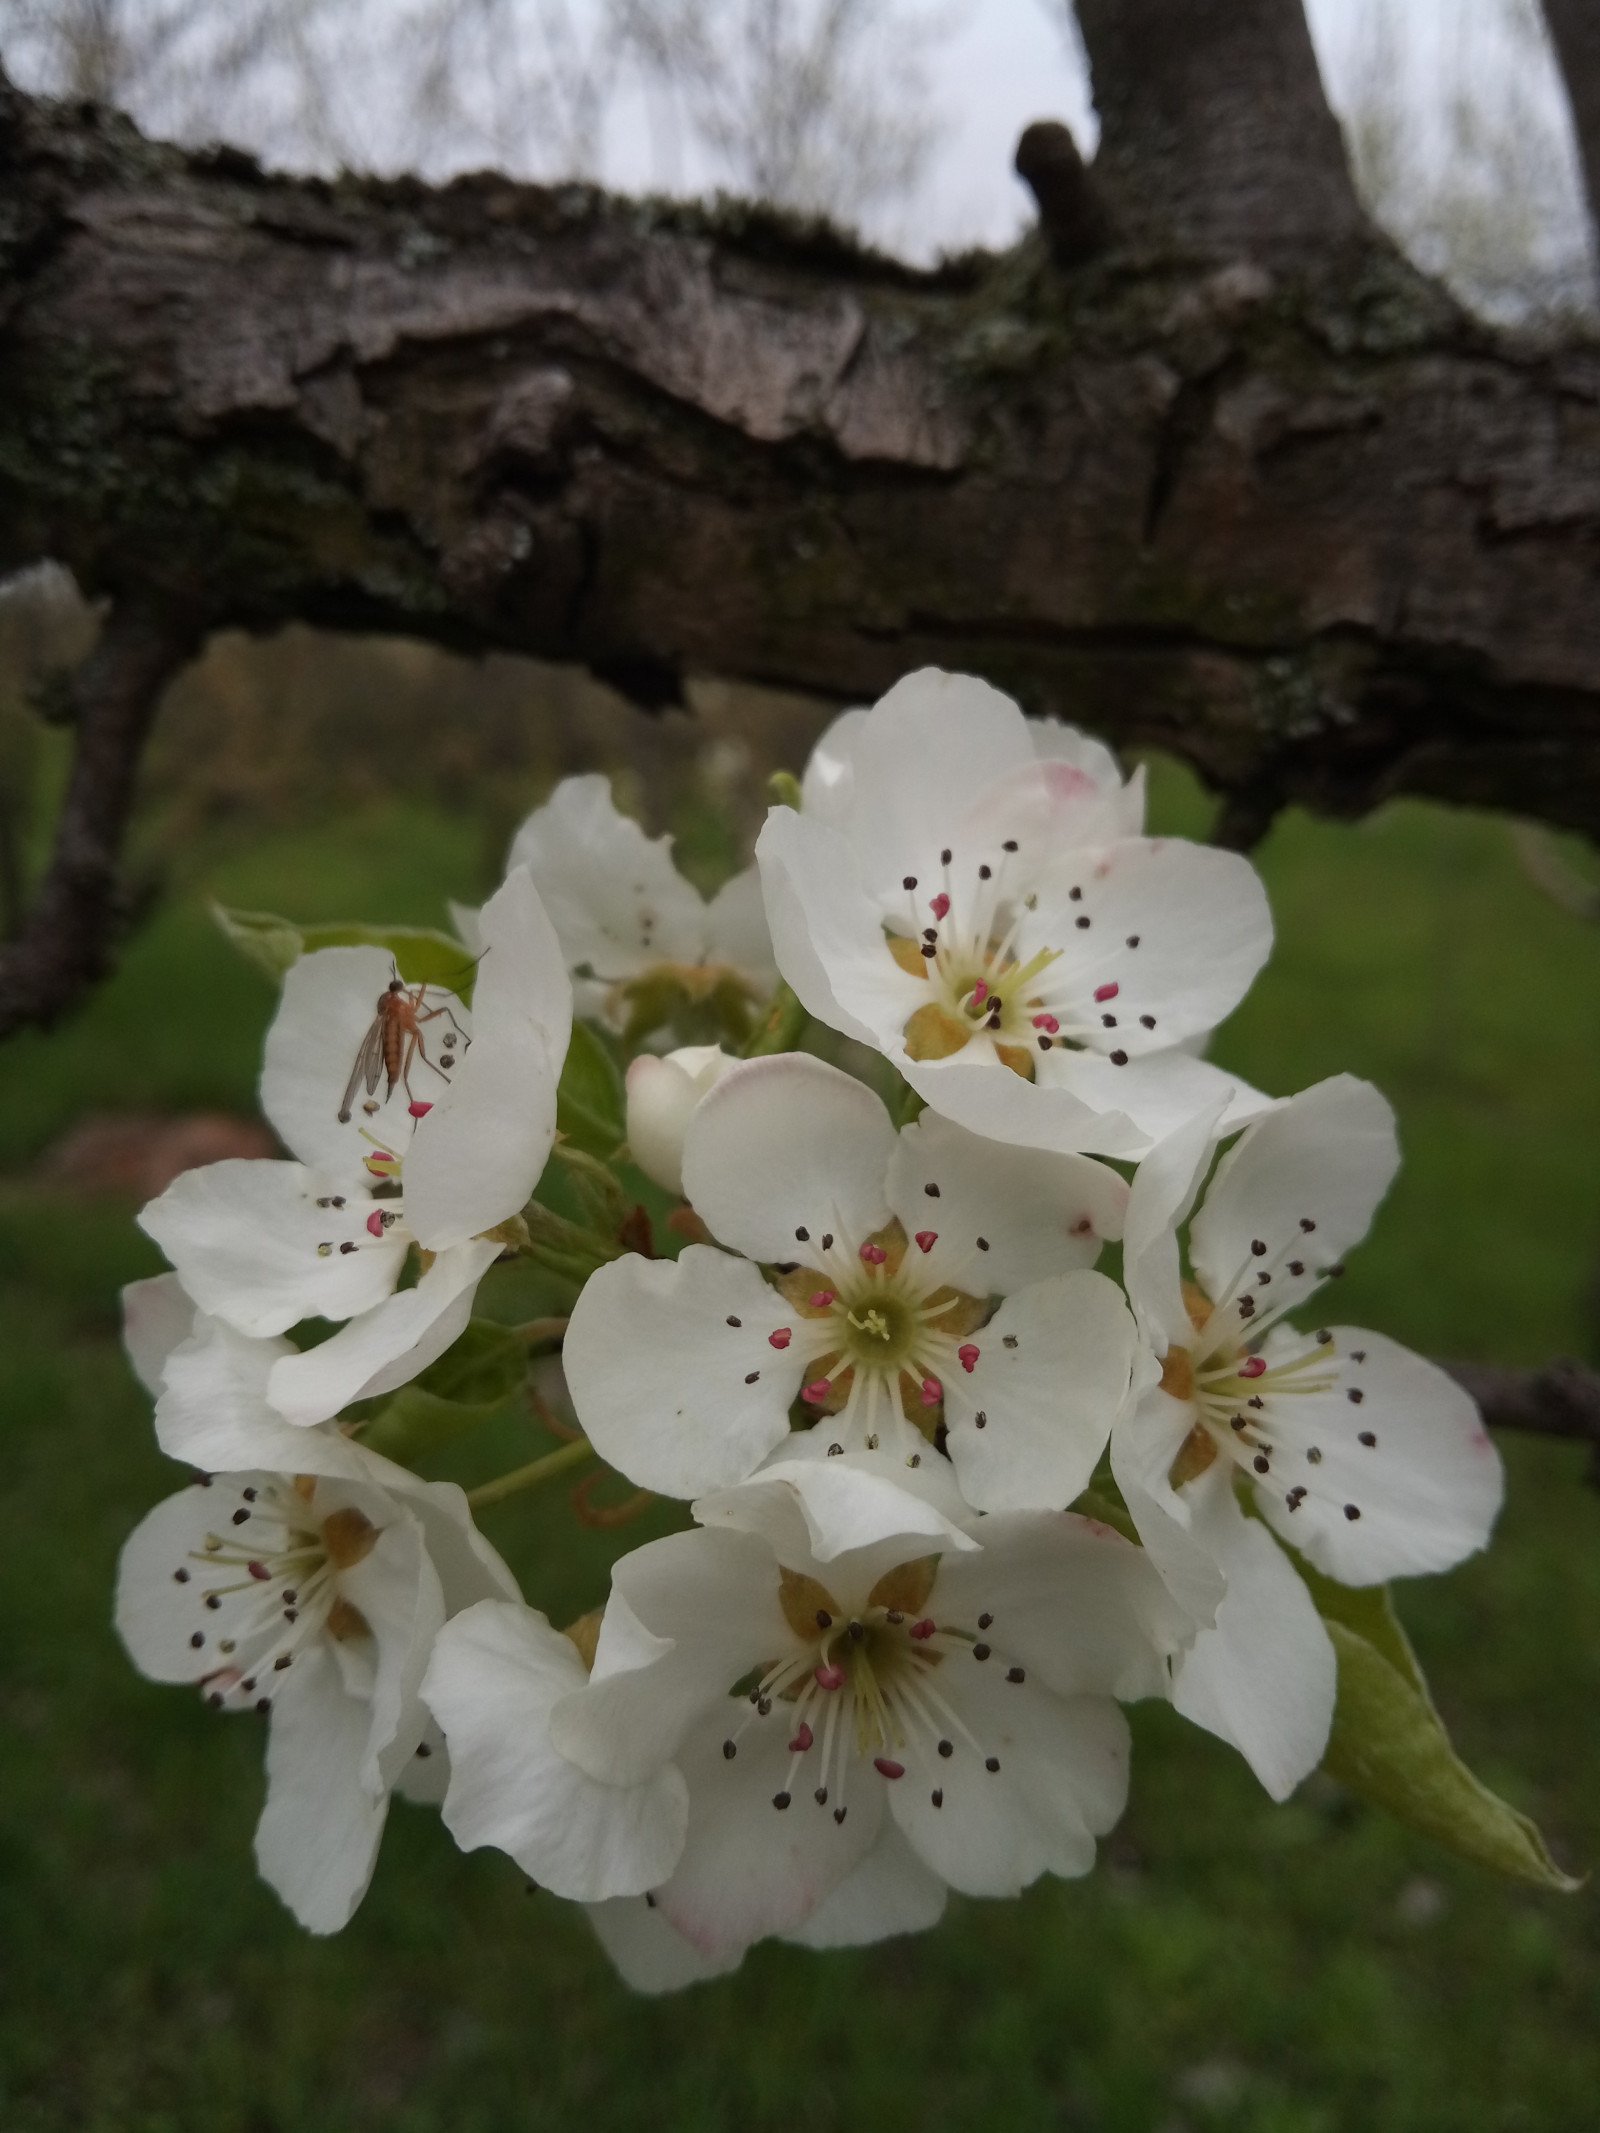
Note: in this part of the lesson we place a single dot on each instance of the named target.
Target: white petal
(1164, 1190)
(651, 1956)
(1144, 1445)
(329, 1001)
(615, 897)
(687, 1617)
(736, 929)
(245, 1238)
(920, 755)
(1181, 929)
(396, 1589)
(750, 1869)
(827, 787)
(1062, 1778)
(1324, 1159)
(1157, 1093)
(1427, 1490)
(672, 1373)
(784, 1152)
(477, 1155)
(426, 1778)
(1050, 1379)
(317, 1840)
(157, 1316)
(826, 930)
(156, 1614)
(496, 1672)
(1264, 1677)
(890, 1892)
(1037, 1214)
(1080, 1608)
(845, 1519)
(386, 1346)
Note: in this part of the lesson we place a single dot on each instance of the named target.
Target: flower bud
(663, 1095)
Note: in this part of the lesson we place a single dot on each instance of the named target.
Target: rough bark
(1322, 536)
(1216, 140)
(1575, 33)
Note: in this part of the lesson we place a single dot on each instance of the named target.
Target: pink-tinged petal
(614, 895)
(889, 1893)
(1264, 1676)
(786, 1153)
(1305, 1181)
(496, 1673)
(750, 1869)
(262, 1245)
(673, 1372)
(1006, 1217)
(1027, 1425)
(387, 1346)
(1405, 1481)
(648, 1954)
(473, 1161)
(157, 1317)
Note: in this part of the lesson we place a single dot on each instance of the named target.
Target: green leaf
(471, 1381)
(1390, 1746)
(422, 954)
(590, 1106)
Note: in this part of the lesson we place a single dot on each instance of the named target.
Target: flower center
(866, 1687)
(266, 1585)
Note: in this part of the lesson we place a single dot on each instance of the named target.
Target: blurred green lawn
(1283, 1970)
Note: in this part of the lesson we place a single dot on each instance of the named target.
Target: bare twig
(1561, 1399)
(1071, 212)
(66, 938)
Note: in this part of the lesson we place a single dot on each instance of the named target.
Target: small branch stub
(1072, 214)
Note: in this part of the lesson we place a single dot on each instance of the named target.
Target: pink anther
(940, 905)
(816, 1392)
(927, 1239)
(1047, 1022)
(932, 1392)
(980, 992)
(1253, 1366)
(874, 1254)
(923, 1630)
(886, 1766)
(1107, 992)
(375, 1223)
(418, 1109)
(967, 1356)
(802, 1740)
(258, 1570)
(781, 1338)
(828, 1677)
(822, 1298)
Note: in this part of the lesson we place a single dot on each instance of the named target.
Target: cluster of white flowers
(956, 1493)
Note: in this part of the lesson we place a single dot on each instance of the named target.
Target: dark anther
(730, 1749)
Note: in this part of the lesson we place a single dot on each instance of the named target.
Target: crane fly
(394, 1040)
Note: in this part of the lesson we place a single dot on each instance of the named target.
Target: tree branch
(1575, 32)
(1216, 139)
(1071, 212)
(1560, 1400)
(64, 944)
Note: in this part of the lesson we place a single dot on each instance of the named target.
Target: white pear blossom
(1369, 1460)
(867, 1707)
(887, 1251)
(969, 893)
(664, 1093)
(446, 1153)
(301, 1577)
(625, 915)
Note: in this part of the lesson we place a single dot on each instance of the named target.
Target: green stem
(780, 1029)
(532, 1476)
(541, 1332)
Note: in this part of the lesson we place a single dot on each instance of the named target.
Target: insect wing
(368, 1066)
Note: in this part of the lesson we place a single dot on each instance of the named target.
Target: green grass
(1231, 1965)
